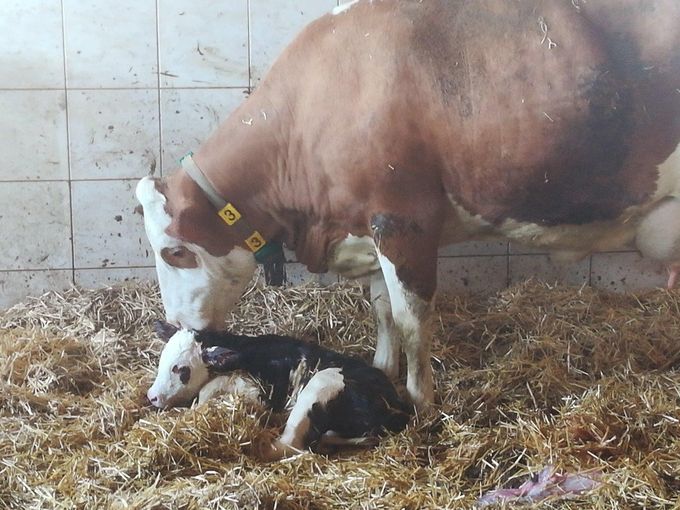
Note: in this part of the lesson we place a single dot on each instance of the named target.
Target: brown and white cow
(389, 128)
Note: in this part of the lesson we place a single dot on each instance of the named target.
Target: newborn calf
(341, 396)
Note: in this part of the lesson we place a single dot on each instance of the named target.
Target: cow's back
(563, 122)
(529, 111)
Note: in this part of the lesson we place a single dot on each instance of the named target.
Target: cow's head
(185, 366)
(201, 273)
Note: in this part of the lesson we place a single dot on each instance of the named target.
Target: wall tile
(110, 44)
(541, 267)
(203, 43)
(626, 271)
(32, 48)
(474, 248)
(523, 249)
(106, 230)
(33, 139)
(472, 274)
(16, 285)
(35, 225)
(190, 115)
(297, 274)
(114, 133)
(274, 24)
(289, 255)
(95, 278)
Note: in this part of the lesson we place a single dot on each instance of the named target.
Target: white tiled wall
(95, 94)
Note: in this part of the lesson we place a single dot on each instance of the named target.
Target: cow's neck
(242, 159)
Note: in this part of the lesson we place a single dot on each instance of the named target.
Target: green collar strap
(263, 250)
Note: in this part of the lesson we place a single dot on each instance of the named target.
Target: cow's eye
(184, 373)
(179, 256)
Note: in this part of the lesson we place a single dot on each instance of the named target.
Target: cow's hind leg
(389, 336)
(301, 429)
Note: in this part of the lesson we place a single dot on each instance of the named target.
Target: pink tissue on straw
(549, 484)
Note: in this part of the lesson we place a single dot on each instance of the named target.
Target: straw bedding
(581, 379)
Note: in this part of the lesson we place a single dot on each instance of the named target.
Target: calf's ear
(220, 358)
(164, 330)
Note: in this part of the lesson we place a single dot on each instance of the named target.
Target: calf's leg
(299, 431)
(231, 384)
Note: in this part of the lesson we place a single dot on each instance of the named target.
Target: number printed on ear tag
(255, 241)
(229, 214)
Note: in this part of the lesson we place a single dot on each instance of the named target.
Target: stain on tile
(35, 225)
(189, 116)
(114, 133)
(33, 139)
(110, 44)
(16, 286)
(31, 42)
(100, 239)
(203, 43)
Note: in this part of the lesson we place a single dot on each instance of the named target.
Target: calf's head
(201, 273)
(185, 366)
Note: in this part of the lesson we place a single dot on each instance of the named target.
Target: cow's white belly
(354, 257)
(565, 242)
(569, 242)
(669, 177)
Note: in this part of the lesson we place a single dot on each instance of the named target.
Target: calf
(341, 396)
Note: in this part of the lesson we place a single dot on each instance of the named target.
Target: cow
(333, 395)
(390, 128)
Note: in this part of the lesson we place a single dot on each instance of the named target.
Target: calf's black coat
(367, 406)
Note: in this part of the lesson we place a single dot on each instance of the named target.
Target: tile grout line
(158, 90)
(85, 179)
(68, 145)
(249, 42)
(42, 89)
(85, 268)
(507, 264)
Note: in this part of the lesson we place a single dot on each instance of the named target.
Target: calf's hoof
(267, 449)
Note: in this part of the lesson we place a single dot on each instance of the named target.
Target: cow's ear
(220, 358)
(164, 330)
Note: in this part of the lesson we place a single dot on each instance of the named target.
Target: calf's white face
(198, 289)
(181, 371)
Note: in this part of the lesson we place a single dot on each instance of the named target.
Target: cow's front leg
(412, 315)
(387, 351)
(407, 253)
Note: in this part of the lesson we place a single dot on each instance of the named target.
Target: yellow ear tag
(255, 241)
(229, 214)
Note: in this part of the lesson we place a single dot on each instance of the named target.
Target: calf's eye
(184, 373)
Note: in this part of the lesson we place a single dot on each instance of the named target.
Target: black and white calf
(341, 396)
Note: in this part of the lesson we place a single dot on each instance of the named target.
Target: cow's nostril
(154, 399)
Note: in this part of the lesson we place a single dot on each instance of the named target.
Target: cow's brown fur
(384, 110)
